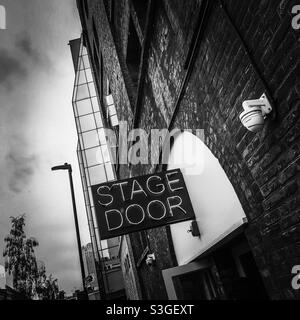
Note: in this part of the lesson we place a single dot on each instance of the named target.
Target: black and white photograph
(150, 151)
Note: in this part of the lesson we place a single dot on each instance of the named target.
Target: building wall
(89, 264)
(128, 266)
(263, 168)
(113, 247)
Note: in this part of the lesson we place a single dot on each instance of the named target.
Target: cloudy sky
(37, 131)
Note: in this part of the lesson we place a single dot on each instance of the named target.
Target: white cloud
(37, 113)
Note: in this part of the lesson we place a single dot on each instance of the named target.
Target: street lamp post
(68, 167)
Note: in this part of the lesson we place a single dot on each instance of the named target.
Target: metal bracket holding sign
(141, 203)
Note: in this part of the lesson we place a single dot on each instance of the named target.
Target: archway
(217, 208)
(221, 221)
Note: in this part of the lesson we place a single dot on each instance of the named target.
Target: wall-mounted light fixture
(194, 229)
(255, 112)
(150, 260)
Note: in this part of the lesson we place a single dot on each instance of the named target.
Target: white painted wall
(217, 208)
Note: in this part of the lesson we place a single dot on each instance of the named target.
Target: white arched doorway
(217, 208)
(221, 220)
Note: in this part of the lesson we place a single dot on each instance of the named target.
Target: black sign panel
(140, 203)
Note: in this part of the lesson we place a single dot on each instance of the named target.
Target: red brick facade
(229, 66)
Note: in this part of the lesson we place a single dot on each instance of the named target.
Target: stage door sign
(141, 203)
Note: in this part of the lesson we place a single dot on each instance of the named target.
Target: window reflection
(92, 151)
(82, 92)
(90, 139)
(94, 156)
(109, 171)
(92, 89)
(86, 62)
(101, 133)
(97, 174)
(81, 77)
(105, 153)
(84, 107)
(81, 66)
(98, 119)
(95, 104)
(87, 122)
(88, 73)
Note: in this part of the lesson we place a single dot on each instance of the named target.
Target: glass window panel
(87, 122)
(84, 107)
(114, 120)
(82, 92)
(112, 110)
(104, 253)
(104, 244)
(92, 89)
(99, 122)
(113, 152)
(81, 77)
(93, 156)
(97, 174)
(86, 62)
(109, 171)
(84, 51)
(105, 153)
(109, 100)
(90, 139)
(111, 138)
(89, 76)
(98, 237)
(95, 104)
(81, 66)
(90, 195)
(101, 134)
(94, 216)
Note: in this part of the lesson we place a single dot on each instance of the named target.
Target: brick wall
(131, 282)
(263, 168)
